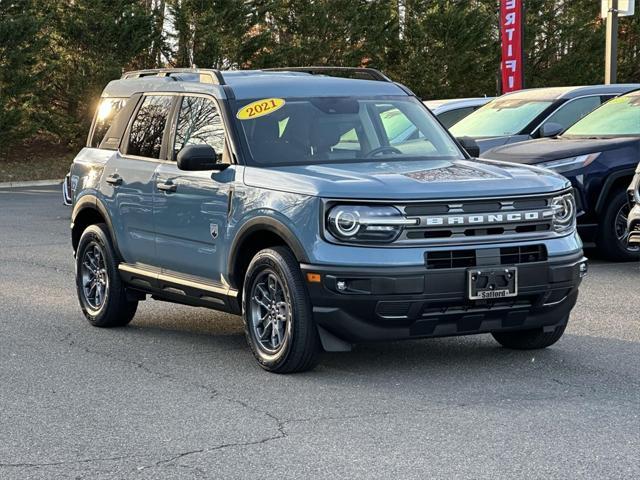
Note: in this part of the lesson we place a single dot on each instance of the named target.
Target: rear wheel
(101, 293)
(529, 339)
(613, 233)
(277, 313)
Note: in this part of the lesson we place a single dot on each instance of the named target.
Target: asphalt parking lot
(177, 394)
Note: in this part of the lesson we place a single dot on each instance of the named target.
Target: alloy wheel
(621, 231)
(95, 280)
(270, 312)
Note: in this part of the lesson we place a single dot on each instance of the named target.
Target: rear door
(128, 180)
(191, 208)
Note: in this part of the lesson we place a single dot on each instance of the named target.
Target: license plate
(492, 283)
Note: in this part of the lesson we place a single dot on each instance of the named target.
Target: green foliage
(449, 49)
(57, 55)
(90, 42)
(19, 48)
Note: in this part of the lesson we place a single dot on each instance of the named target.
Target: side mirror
(550, 129)
(470, 145)
(199, 157)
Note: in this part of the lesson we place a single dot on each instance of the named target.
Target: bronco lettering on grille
(491, 218)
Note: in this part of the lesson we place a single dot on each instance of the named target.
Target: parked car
(599, 155)
(534, 113)
(451, 111)
(279, 197)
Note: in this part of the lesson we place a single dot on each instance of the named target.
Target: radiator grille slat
(443, 259)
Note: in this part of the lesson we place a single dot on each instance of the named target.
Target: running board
(180, 288)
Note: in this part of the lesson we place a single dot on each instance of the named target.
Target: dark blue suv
(290, 198)
(599, 154)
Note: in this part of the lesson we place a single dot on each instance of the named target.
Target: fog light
(584, 267)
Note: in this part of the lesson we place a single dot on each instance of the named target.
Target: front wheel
(277, 313)
(529, 339)
(613, 233)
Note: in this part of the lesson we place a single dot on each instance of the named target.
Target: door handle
(167, 187)
(114, 179)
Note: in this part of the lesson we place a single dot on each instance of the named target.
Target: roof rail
(371, 73)
(207, 75)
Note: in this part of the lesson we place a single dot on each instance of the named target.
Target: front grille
(451, 259)
(523, 254)
(476, 220)
(444, 259)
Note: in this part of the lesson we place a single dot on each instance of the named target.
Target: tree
(20, 44)
(90, 43)
(449, 48)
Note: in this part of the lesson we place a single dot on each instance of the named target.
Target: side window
(349, 141)
(450, 118)
(108, 109)
(572, 111)
(398, 127)
(147, 129)
(199, 123)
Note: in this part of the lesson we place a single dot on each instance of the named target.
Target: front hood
(547, 149)
(418, 179)
(487, 143)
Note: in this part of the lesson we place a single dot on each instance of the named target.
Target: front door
(190, 208)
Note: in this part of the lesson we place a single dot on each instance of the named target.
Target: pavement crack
(176, 457)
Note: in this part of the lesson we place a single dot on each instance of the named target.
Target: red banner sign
(512, 66)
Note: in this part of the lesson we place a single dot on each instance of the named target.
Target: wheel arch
(259, 233)
(613, 182)
(89, 210)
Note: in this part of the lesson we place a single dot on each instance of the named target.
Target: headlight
(571, 163)
(359, 223)
(564, 213)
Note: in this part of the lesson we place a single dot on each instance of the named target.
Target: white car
(451, 111)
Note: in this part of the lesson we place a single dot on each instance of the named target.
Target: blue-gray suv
(296, 199)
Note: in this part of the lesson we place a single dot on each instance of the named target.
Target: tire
(609, 241)
(96, 259)
(278, 321)
(529, 339)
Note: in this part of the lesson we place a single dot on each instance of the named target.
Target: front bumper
(634, 226)
(386, 303)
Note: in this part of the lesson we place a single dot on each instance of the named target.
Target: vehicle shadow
(476, 363)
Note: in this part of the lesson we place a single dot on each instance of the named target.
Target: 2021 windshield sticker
(260, 108)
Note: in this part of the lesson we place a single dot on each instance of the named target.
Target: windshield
(500, 117)
(620, 116)
(297, 131)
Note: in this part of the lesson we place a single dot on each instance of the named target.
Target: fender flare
(606, 188)
(269, 224)
(91, 202)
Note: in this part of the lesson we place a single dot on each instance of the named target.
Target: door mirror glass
(551, 129)
(470, 145)
(199, 157)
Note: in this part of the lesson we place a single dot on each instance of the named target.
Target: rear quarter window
(107, 111)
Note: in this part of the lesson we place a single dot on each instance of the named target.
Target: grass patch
(36, 159)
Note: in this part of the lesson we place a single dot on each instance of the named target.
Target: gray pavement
(177, 394)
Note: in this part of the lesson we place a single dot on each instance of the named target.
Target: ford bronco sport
(296, 199)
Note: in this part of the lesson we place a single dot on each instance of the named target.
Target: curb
(33, 183)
